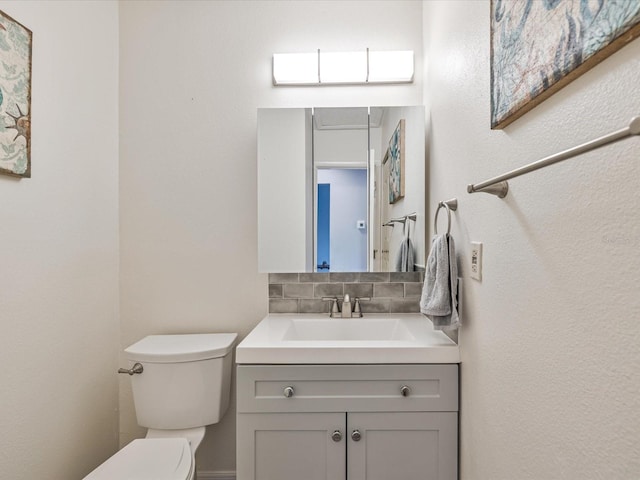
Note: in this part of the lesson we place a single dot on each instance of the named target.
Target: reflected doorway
(324, 227)
(341, 215)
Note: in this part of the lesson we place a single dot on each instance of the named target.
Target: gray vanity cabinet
(347, 422)
(292, 446)
(406, 445)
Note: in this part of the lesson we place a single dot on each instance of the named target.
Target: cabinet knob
(405, 391)
(356, 435)
(288, 392)
(336, 436)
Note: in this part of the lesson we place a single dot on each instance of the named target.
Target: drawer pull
(288, 392)
(405, 391)
(356, 435)
(336, 436)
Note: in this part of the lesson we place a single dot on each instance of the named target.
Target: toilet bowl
(149, 459)
(181, 383)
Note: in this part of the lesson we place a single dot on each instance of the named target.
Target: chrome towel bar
(499, 186)
(403, 220)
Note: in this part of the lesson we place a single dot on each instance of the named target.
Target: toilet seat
(149, 459)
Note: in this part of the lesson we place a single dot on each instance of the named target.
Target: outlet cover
(476, 260)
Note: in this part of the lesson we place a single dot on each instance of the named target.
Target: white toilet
(183, 385)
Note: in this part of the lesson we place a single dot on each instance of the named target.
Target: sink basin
(347, 329)
(373, 339)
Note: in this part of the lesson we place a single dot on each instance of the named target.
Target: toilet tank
(185, 381)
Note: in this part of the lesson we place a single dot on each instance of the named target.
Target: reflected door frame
(339, 166)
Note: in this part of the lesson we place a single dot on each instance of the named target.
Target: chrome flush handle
(137, 368)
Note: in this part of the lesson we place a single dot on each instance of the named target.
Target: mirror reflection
(341, 189)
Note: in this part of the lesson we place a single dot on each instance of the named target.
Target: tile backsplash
(390, 292)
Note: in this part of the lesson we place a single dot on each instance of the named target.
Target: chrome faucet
(346, 307)
(349, 309)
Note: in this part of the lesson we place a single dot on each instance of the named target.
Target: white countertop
(374, 339)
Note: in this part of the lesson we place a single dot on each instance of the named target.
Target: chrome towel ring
(449, 205)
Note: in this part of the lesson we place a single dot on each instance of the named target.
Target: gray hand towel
(439, 293)
(404, 260)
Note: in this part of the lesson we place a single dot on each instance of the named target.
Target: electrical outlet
(476, 260)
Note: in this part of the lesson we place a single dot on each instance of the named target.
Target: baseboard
(202, 475)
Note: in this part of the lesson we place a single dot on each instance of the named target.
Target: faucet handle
(335, 311)
(357, 312)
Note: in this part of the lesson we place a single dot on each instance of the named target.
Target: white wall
(550, 358)
(192, 77)
(59, 274)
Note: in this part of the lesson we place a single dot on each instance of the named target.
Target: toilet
(181, 383)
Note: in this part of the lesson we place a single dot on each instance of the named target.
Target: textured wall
(192, 77)
(59, 273)
(550, 378)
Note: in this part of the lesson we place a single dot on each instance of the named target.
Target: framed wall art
(538, 47)
(395, 157)
(15, 97)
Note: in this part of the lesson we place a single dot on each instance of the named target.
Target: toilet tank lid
(181, 348)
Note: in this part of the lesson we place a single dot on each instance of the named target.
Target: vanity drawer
(344, 388)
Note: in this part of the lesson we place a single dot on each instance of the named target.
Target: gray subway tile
(308, 305)
(283, 278)
(412, 289)
(314, 277)
(344, 277)
(359, 289)
(328, 290)
(388, 290)
(405, 276)
(298, 290)
(282, 305)
(374, 277)
(376, 306)
(275, 290)
(405, 305)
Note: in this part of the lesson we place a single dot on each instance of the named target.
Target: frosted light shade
(335, 68)
(295, 68)
(343, 67)
(391, 67)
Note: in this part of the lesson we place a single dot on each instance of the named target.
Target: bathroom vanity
(333, 399)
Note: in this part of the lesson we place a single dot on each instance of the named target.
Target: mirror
(341, 189)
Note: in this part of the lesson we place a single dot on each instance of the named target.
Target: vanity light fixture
(340, 68)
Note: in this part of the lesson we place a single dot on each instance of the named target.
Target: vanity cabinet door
(406, 445)
(291, 446)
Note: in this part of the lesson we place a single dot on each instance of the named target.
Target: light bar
(336, 68)
(343, 67)
(391, 67)
(295, 68)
